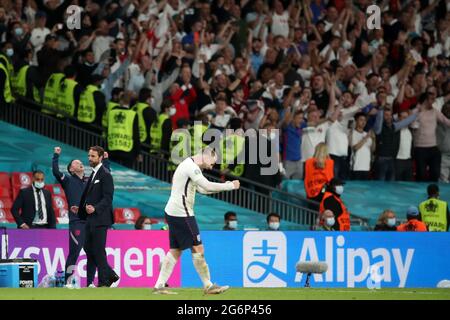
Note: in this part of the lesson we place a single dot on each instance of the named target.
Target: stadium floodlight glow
(310, 268)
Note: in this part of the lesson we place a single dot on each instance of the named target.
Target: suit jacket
(26, 201)
(98, 193)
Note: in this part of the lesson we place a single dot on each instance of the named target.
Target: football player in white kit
(183, 228)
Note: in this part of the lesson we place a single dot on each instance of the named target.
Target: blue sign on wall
(355, 259)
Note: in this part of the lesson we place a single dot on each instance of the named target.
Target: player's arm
(55, 165)
(203, 191)
(211, 187)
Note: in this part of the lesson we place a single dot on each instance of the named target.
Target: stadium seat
(126, 215)
(5, 192)
(6, 216)
(59, 202)
(61, 213)
(21, 179)
(5, 203)
(5, 180)
(55, 189)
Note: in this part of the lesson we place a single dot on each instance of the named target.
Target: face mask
(18, 31)
(330, 222)
(147, 226)
(232, 224)
(9, 52)
(339, 190)
(274, 225)
(391, 222)
(172, 111)
(39, 185)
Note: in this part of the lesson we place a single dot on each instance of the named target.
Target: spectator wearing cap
(386, 221)
(434, 212)
(443, 140)
(50, 58)
(332, 201)
(39, 33)
(413, 223)
(252, 113)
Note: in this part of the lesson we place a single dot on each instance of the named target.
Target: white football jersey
(188, 177)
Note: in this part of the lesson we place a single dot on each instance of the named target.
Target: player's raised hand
(57, 150)
(236, 184)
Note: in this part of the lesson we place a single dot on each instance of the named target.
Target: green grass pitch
(232, 294)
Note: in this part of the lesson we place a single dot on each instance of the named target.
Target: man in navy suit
(36, 205)
(96, 208)
(73, 184)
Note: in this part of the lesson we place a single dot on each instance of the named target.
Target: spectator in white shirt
(39, 33)
(403, 162)
(102, 41)
(363, 145)
(280, 20)
(220, 112)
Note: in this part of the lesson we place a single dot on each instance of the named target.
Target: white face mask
(172, 111)
(339, 190)
(274, 225)
(232, 224)
(39, 185)
(391, 222)
(329, 222)
(10, 52)
(147, 226)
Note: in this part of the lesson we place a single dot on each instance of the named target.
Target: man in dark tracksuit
(73, 185)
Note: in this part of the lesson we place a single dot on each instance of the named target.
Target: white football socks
(167, 266)
(202, 269)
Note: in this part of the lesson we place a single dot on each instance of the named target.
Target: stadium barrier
(257, 258)
(26, 114)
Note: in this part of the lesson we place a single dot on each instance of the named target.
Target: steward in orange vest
(332, 201)
(316, 178)
(413, 223)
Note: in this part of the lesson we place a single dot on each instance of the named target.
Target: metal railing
(291, 207)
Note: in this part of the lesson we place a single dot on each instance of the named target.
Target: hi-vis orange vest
(315, 178)
(413, 225)
(344, 218)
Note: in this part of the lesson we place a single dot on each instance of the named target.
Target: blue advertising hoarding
(355, 259)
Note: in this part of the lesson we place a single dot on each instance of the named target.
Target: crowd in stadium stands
(377, 97)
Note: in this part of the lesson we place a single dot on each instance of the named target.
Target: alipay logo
(265, 257)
